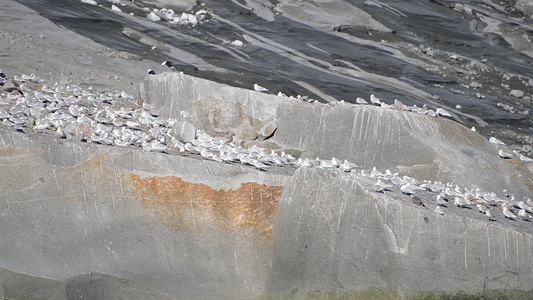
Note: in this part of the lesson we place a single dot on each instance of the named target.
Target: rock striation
(335, 233)
(186, 227)
(412, 142)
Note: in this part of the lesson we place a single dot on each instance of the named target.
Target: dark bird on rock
(169, 65)
(151, 72)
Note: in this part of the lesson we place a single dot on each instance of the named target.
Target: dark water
(286, 53)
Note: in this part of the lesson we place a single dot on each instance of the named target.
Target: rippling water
(421, 52)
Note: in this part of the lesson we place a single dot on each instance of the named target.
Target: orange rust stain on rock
(184, 205)
(94, 162)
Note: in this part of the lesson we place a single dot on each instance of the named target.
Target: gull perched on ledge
(375, 100)
(259, 88)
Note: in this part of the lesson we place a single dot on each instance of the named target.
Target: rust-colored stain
(94, 162)
(183, 205)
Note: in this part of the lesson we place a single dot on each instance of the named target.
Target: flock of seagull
(105, 118)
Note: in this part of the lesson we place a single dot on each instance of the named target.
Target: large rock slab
(187, 227)
(219, 109)
(417, 145)
(336, 233)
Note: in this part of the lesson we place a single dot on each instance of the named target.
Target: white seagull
(438, 210)
(442, 112)
(360, 100)
(504, 154)
(508, 214)
(259, 88)
(375, 100)
(522, 214)
(185, 114)
(496, 141)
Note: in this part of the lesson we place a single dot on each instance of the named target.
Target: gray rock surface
(415, 144)
(186, 227)
(219, 109)
(180, 224)
(333, 233)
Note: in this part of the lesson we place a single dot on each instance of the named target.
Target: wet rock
(475, 84)
(517, 93)
(153, 17)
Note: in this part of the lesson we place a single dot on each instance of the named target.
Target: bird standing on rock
(523, 214)
(259, 88)
(508, 214)
(360, 100)
(169, 65)
(439, 210)
(375, 100)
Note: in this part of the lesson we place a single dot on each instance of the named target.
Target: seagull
(438, 210)
(523, 214)
(189, 147)
(60, 133)
(375, 100)
(525, 206)
(380, 186)
(482, 209)
(259, 88)
(259, 165)
(489, 214)
(508, 214)
(158, 146)
(375, 173)
(442, 112)
(151, 72)
(169, 65)
(504, 154)
(460, 202)
(408, 189)
(185, 114)
(496, 141)
(360, 100)
(335, 162)
(307, 163)
(525, 158)
(441, 201)
(347, 166)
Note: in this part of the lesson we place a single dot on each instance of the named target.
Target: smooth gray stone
(15, 285)
(219, 109)
(104, 286)
(187, 227)
(184, 131)
(416, 145)
(333, 233)
(420, 146)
